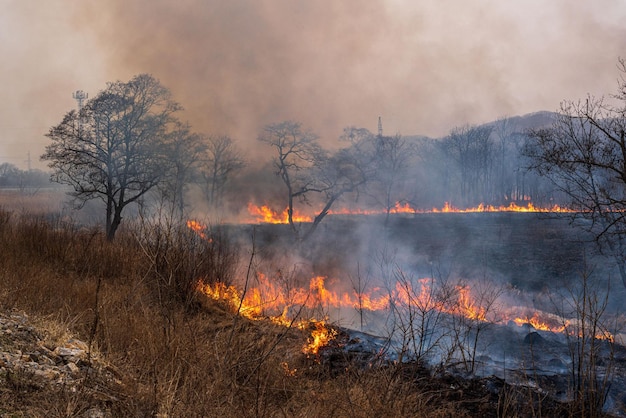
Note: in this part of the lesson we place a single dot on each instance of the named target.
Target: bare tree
(186, 150)
(115, 148)
(341, 173)
(504, 135)
(297, 151)
(306, 169)
(590, 331)
(584, 154)
(221, 161)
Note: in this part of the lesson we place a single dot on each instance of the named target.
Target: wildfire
(198, 228)
(292, 306)
(467, 307)
(542, 324)
(305, 307)
(555, 324)
(512, 207)
(320, 337)
(264, 214)
(398, 207)
(269, 301)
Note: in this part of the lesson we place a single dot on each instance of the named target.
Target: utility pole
(380, 127)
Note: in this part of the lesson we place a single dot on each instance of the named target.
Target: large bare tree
(584, 154)
(114, 149)
(307, 170)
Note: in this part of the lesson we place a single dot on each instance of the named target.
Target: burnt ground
(470, 244)
(536, 254)
(525, 250)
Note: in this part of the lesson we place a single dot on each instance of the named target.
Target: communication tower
(80, 96)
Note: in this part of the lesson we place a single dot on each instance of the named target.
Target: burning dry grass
(182, 354)
(265, 214)
(177, 355)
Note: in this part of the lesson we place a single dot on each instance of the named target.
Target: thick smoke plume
(238, 65)
(241, 64)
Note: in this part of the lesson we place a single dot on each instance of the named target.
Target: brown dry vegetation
(179, 355)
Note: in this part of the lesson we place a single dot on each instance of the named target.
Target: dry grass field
(177, 354)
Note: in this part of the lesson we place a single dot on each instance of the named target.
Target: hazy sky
(425, 66)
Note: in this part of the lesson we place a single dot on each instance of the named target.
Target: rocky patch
(35, 368)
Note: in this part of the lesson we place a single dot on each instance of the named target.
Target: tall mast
(80, 96)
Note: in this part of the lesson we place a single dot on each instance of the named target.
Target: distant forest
(478, 164)
(472, 165)
(12, 177)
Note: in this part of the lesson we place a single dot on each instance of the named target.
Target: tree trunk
(320, 216)
(109, 217)
(115, 223)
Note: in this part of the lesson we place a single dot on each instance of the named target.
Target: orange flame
(512, 207)
(559, 325)
(466, 306)
(284, 304)
(268, 300)
(199, 229)
(264, 214)
(398, 207)
(542, 324)
(320, 337)
(263, 301)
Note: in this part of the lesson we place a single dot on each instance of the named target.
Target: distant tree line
(127, 146)
(15, 178)
(483, 164)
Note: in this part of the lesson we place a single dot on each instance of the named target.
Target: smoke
(238, 65)
(425, 67)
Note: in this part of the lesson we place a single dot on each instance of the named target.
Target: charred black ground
(526, 250)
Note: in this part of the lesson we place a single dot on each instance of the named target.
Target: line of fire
(491, 251)
(265, 214)
(309, 307)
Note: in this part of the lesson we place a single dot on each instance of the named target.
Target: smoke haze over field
(238, 65)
